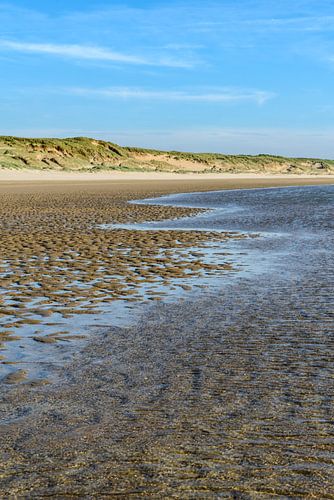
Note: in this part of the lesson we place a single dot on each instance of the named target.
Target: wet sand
(109, 420)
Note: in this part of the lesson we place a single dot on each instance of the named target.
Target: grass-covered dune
(84, 154)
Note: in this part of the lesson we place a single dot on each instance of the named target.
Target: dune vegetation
(85, 155)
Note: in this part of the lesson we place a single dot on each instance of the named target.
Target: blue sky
(248, 76)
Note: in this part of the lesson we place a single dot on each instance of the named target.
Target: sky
(231, 76)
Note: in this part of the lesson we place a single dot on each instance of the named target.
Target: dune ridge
(82, 154)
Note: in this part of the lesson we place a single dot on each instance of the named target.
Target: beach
(241, 179)
(193, 391)
(166, 250)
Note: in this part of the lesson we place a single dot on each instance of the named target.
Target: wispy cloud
(89, 53)
(221, 96)
(297, 23)
(328, 58)
(184, 46)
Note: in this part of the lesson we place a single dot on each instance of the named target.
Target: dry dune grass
(84, 154)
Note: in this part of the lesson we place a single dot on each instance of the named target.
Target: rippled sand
(221, 394)
(60, 264)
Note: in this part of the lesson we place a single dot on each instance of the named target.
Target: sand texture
(145, 410)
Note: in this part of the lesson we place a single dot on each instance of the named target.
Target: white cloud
(221, 96)
(89, 53)
(184, 46)
(297, 23)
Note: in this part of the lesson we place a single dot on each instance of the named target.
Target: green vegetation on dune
(85, 154)
(75, 154)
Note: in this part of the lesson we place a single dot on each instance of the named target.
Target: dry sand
(53, 175)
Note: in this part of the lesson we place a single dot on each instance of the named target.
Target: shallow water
(227, 393)
(247, 370)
